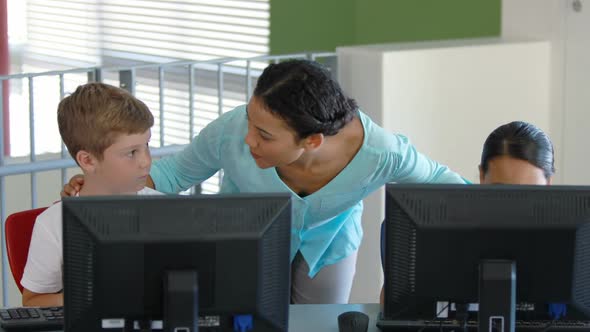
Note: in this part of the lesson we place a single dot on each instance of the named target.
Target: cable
(556, 311)
(436, 316)
(462, 314)
(548, 326)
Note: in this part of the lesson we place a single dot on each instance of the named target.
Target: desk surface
(324, 317)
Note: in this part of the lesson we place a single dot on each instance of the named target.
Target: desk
(324, 317)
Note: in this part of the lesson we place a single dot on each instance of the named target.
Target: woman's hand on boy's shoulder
(73, 187)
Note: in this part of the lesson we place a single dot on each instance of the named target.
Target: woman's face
(508, 170)
(272, 142)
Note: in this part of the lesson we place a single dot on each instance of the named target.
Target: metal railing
(127, 78)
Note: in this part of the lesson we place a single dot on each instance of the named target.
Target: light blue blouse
(326, 225)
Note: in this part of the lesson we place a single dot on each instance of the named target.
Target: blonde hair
(95, 114)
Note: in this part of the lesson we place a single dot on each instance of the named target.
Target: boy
(106, 130)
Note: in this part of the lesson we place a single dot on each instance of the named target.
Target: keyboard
(449, 325)
(32, 318)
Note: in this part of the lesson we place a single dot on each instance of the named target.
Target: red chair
(18, 231)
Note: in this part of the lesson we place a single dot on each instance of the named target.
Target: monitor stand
(497, 295)
(181, 298)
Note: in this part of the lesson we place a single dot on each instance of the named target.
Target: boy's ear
(314, 141)
(87, 161)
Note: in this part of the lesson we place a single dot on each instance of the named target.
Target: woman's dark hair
(520, 140)
(304, 94)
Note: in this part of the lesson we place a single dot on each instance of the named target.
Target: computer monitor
(503, 247)
(124, 259)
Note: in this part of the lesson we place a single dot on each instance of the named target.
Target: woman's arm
(77, 181)
(410, 166)
(197, 162)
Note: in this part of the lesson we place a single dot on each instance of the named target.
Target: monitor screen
(118, 250)
(437, 236)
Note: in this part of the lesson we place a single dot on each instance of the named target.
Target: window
(87, 33)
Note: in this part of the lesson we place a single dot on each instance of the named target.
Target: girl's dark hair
(520, 140)
(304, 94)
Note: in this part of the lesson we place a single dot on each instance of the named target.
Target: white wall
(447, 97)
(576, 95)
(544, 19)
(567, 30)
